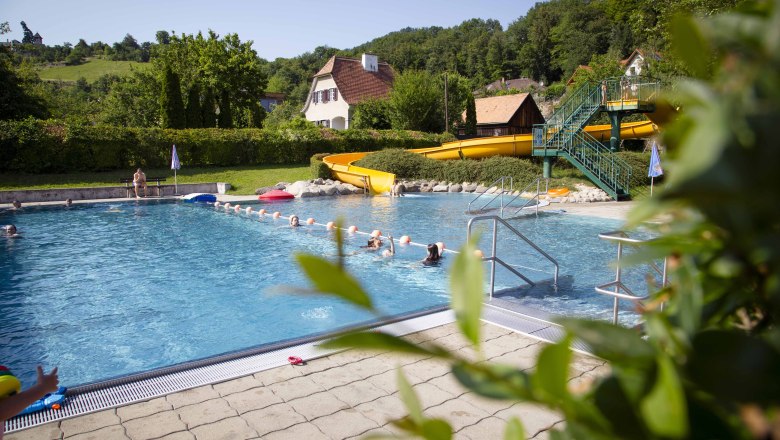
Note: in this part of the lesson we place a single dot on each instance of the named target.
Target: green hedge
(639, 163)
(414, 166)
(35, 146)
(318, 168)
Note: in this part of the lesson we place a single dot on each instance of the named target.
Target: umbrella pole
(176, 185)
(651, 186)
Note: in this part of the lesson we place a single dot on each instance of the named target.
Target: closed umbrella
(175, 165)
(655, 169)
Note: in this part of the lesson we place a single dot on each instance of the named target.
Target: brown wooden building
(503, 115)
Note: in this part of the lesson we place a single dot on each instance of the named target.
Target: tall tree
(194, 118)
(471, 116)
(208, 109)
(28, 34)
(171, 102)
(225, 112)
(416, 102)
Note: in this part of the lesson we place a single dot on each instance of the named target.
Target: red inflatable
(276, 194)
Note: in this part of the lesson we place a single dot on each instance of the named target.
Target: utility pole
(446, 106)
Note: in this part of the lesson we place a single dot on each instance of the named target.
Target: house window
(335, 94)
(324, 96)
(315, 97)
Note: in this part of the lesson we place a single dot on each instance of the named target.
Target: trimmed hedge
(639, 163)
(35, 146)
(414, 166)
(318, 168)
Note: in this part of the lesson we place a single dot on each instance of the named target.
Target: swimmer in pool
(16, 204)
(433, 256)
(374, 243)
(10, 231)
(294, 222)
(389, 252)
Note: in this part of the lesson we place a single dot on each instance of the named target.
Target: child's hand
(48, 382)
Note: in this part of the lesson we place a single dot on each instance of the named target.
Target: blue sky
(280, 28)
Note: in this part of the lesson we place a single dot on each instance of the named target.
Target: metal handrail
(493, 258)
(617, 286)
(501, 179)
(536, 181)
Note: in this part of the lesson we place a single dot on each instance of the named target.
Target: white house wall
(319, 111)
(636, 64)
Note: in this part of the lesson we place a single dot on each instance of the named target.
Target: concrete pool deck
(343, 395)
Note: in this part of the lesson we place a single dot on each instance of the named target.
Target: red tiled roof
(354, 82)
(498, 109)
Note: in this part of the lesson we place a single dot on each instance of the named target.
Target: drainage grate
(135, 388)
(535, 326)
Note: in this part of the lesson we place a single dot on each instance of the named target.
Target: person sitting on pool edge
(433, 256)
(294, 222)
(139, 179)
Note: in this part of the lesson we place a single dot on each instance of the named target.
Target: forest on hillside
(547, 44)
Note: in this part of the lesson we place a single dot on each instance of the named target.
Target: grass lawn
(91, 70)
(243, 180)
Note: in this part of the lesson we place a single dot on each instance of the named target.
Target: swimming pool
(103, 290)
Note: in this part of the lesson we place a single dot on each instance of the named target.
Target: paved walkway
(345, 395)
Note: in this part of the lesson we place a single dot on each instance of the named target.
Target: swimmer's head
(10, 230)
(17, 204)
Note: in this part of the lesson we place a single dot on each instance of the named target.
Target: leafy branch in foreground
(706, 364)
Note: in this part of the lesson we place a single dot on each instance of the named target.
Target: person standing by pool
(397, 190)
(139, 179)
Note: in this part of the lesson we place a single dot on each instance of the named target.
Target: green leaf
(409, 398)
(690, 45)
(664, 409)
(493, 380)
(514, 429)
(383, 341)
(436, 429)
(621, 346)
(466, 287)
(613, 402)
(552, 370)
(331, 279)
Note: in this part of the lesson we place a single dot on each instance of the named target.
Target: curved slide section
(477, 148)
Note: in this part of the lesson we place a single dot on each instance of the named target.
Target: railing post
(493, 260)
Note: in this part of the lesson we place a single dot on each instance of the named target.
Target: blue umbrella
(175, 165)
(655, 169)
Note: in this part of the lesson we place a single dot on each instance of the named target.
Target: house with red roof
(508, 114)
(342, 83)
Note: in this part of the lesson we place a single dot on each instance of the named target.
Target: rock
(408, 187)
(296, 187)
(470, 187)
(481, 189)
(440, 188)
(426, 189)
(455, 188)
(329, 190)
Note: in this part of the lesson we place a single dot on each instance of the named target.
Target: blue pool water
(103, 290)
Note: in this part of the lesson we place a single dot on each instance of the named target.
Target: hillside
(91, 70)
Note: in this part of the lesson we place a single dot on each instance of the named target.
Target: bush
(639, 163)
(554, 91)
(318, 168)
(35, 146)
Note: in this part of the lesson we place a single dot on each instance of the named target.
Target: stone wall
(105, 192)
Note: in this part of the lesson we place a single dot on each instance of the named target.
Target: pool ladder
(493, 258)
(499, 194)
(616, 289)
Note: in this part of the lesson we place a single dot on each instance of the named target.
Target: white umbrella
(175, 165)
(655, 169)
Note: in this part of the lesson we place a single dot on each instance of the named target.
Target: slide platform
(518, 145)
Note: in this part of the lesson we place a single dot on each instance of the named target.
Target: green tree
(162, 37)
(16, 98)
(209, 109)
(172, 105)
(257, 115)
(371, 113)
(225, 117)
(282, 115)
(28, 34)
(471, 116)
(416, 102)
(134, 101)
(193, 112)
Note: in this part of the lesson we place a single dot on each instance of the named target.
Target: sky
(279, 28)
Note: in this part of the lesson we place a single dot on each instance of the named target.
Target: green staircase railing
(563, 135)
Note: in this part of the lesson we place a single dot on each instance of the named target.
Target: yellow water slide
(477, 148)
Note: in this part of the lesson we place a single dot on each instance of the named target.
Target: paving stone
(359, 392)
(490, 331)
(296, 388)
(392, 360)
(442, 331)
(346, 423)
(535, 418)
(458, 413)
(155, 425)
(89, 422)
(182, 435)
(383, 410)
(317, 405)
(49, 431)
(250, 400)
(234, 428)
(369, 367)
(425, 370)
(280, 374)
(274, 418)
(237, 385)
(306, 431)
(115, 432)
(454, 341)
(491, 427)
(379, 432)
(192, 396)
(450, 384)
(143, 409)
(320, 364)
(490, 406)
(507, 344)
(206, 412)
(386, 381)
(335, 377)
(431, 395)
(355, 355)
(524, 359)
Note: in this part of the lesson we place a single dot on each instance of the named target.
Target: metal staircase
(563, 135)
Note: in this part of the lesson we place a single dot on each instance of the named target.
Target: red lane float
(276, 194)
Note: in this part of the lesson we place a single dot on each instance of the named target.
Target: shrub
(318, 167)
(639, 163)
